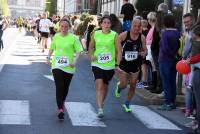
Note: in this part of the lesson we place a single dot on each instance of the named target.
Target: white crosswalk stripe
(50, 77)
(14, 112)
(151, 119)
(83, 114)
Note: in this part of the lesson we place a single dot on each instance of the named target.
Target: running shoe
(139, 85)
(61, 114)
(117, 91)
(126, 108)
(173, 106)
(100, 113)
(165, 107)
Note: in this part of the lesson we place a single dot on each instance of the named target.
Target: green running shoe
(126, 108)
(117, 92)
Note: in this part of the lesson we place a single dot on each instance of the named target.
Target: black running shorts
(44, 34)
(129, 67)
(106, 75)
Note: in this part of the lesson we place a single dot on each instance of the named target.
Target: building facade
(26, 8)
(113, 6)
(74, 6)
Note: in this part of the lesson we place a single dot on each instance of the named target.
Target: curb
(155, 99)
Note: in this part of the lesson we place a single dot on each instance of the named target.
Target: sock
(127, 103)
(119, 90)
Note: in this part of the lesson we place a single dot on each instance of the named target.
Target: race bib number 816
(131, 55)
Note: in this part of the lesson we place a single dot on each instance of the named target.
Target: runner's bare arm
(118, 49)
(91, 48)
(5, 24)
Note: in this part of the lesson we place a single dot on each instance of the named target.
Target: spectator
(115, 24)
(77, 22)
(169, 44)
(127, 12)
(3, 26)
(188, 21)
(161, 12)
(153, 39)
(195, 52)
(145, 29)
(143, 75)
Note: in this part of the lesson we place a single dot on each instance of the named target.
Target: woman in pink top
(152, 40)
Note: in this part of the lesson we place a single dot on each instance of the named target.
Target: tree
(195, 7)
(51, 7)
(95, 7)
(147, 5)
(4, 9)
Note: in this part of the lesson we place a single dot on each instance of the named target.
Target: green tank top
(64, 49)
(104, 50)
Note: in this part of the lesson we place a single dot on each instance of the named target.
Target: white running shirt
(44, 25)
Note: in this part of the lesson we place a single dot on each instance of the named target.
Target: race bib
(131, 55)
(62, 61)
(104, 58)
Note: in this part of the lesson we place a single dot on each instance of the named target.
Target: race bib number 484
(131, 55)
(62, 61)
(104, 58)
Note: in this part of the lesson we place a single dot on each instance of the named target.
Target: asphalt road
(28, 106)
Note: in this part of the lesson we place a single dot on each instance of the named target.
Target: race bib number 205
(104, 58)
(62, 61)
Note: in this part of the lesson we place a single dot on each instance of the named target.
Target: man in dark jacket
(127, 12)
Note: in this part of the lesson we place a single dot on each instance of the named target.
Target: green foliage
(95, 7)
(147, 5)
(83, 26)
(4, 9)
(51, 6)
(177, 12)
(84, 16)
(196, 5)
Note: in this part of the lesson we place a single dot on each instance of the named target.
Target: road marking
(49, 77)
(151, 119)
(83, 114)
(14, 112)
(7, 54)
(8, 51)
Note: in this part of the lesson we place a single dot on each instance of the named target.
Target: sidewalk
(155, 99)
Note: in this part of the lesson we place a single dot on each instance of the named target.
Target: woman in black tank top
(133, 46)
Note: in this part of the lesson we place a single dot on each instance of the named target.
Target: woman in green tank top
(63, 47)
(102, 52)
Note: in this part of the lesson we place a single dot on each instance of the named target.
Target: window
(12, 2)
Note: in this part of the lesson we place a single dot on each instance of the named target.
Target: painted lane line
(151, 119)
(7, 54)
(14, 112)
(83, 114)
(9, 50)
(49, 77)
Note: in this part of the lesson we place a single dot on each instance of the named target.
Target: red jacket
(195, 59)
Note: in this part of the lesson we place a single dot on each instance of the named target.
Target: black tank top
(131, 48)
